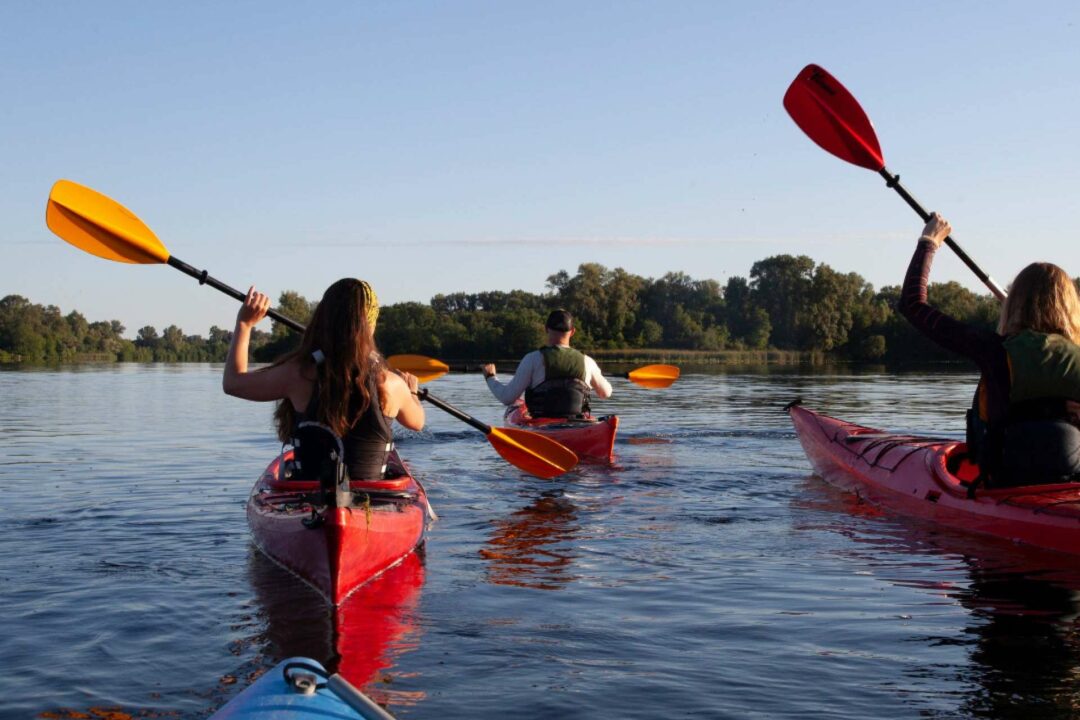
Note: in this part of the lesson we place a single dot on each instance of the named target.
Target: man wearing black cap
(556, 379)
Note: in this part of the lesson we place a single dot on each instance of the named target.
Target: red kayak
(591, 438)
(335, 550)
(929, 478)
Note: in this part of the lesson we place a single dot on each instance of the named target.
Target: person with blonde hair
(336, 377)
(1023, 427)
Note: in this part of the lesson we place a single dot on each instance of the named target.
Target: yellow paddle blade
(654, 376)
(101, 226)
(424, 368)
(534, 453)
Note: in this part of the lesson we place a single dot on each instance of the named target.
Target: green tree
(837, 302)
(27, 344)
(652, 333)
(147, 337)
(758, 329)
(686, 309)
(408, 328)
(521, 331)
(296, 307)
(871, 349)
(172, 341)
(782, 285)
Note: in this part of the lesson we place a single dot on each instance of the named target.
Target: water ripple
(705, 574)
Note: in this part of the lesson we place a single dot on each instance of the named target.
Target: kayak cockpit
(277, 485)
(931, 478)
(953, 471)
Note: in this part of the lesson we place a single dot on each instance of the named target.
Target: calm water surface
(707, 574)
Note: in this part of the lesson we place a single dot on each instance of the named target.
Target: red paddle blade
(832, 117)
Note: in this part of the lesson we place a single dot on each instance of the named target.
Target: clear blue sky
(438, 147)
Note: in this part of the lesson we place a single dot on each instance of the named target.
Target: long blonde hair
(1042, 298)
(342, 329)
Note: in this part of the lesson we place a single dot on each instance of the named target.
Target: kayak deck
(929, 478)
(299, 688)
(335, 550)
(591, 438)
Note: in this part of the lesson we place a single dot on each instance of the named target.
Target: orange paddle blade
(101, 226)
(424, 368)
(534, 453)
(654, 376)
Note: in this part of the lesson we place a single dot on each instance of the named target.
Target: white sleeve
(596, 379)
(510, 391)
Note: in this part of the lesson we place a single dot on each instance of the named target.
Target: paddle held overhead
(833, 118)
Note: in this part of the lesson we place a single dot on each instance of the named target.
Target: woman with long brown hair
(336, 377)
(1023, 427)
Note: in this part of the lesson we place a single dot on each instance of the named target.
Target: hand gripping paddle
(833, 118)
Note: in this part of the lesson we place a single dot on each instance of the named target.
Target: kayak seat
(318, 454)
(401, 484)
(316, 465)
(552, 421)
(960, 464)
(357, 486)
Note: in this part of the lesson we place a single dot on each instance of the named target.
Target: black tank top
(370, 440)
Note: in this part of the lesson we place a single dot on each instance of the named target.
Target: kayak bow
(299, 689)
(335, 550)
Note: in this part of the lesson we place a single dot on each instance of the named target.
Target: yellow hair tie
(372, 304)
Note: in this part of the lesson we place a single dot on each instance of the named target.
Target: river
(706, 574)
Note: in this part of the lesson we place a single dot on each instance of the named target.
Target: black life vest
(1037, 441)
(368, 443)
(564, 392)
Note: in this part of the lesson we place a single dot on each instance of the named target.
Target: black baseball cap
(560, 320)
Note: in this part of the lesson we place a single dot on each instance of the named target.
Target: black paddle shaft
(423, 394)
(893, 181)
(204, 279)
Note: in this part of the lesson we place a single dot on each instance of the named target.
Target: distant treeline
(787, 303)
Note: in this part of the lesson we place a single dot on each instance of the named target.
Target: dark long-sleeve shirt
(983, 347)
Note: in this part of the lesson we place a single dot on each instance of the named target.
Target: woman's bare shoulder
(390, 381)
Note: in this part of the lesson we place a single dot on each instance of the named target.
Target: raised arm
(270, 383)
(972, 342)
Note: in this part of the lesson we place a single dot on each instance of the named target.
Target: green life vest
(561, 361)
(1037, 441)
(564, 392)
(1042, 366)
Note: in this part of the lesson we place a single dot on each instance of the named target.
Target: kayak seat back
(318, 454)
(319, 458)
